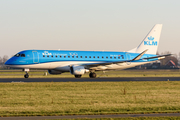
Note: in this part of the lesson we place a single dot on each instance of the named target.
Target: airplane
(81, 62)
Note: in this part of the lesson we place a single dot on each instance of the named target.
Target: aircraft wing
(134, 59)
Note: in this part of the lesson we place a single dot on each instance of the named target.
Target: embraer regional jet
(80, 62)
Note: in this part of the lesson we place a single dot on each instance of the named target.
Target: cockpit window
(17, 55)
(23, 55)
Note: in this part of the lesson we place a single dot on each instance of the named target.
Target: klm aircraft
(81, 62)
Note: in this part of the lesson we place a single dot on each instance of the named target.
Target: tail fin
(150, 42)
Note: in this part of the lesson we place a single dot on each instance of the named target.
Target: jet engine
(54, 72)
(78, 70)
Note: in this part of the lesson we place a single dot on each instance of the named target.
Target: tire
(92, 75)
(26, 76)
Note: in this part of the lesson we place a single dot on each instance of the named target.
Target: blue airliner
(80, 62)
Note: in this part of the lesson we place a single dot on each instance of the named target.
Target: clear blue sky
(118, 25)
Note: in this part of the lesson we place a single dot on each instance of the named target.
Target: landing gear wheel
(77, 76)
(92, 75)
(26, 76)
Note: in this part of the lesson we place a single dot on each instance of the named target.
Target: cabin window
(43, 55)
(118, 57)
(85, 56)
(89, 56)
(60, 56)
(51, 55)
(56, 55)
(68, 56)
(114, 57)
(22, 55)
(76, 56)
(107, 57)
(47, 55)
(111, 57)
(102, 57)
(98, 57)
(93, 56)
(80, 56)
(64, 56)
(122, 56)
(72, 56)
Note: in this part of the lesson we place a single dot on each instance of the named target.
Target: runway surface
(91, 116)
(90, 79)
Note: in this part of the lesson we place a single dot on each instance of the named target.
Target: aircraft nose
(7, 62)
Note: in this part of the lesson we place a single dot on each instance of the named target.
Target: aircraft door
(128, 57)
(35, 57)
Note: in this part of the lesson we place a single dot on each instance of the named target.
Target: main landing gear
(92, 75)
(26, 75)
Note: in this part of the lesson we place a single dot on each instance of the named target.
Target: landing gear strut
(26, 75)
(92, 75)
(77, 76)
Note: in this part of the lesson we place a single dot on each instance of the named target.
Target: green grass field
(79, 98)
(121, 73)
(134, 118)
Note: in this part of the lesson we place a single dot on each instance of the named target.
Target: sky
(110, 25)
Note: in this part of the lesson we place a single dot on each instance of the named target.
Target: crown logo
(150, 38)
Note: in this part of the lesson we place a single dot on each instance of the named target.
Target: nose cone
(7, 62)
(10, 62)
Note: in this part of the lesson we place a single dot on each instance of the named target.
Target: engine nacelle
(78, 70)
(54, 72)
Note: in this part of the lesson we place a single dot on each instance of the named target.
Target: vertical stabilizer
(150, 42)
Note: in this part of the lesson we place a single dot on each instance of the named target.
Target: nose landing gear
(26, 75)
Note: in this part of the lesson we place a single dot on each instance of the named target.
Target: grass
(122, 73)
(132, 118)
(80, 98)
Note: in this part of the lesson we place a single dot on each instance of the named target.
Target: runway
(91, 116)
(123, 79)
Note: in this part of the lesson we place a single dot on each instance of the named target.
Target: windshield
(17, 55)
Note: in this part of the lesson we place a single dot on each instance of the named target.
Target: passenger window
(85, 56)
(89, 56)
(102, 57)
(114, 57)
(107, 57)
(56, 55)
(43, 55)
(72, 56)
(68, 56)
(111, 57)
(122, 57)
(51, 55)
(93, 56)
(64, 56)
(118, 57)
(98, 57)
(60, 56)
(47, 55)
(81, 57)
(76, 56)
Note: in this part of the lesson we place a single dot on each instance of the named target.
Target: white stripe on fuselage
(65, 66)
